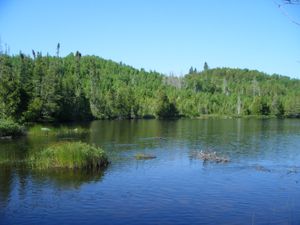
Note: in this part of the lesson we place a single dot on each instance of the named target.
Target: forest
(45, 88)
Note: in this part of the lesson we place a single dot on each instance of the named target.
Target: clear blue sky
(166, 36)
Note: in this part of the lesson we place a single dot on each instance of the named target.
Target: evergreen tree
(76, 87)
(205, 66)
(164, 108)
(50, 92)
(292, 106)
(256, 107)
(276, 107)
(9, 89)
(24, 70)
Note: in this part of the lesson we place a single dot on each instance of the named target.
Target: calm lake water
(261, 184)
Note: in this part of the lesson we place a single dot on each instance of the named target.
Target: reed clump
(70, 155)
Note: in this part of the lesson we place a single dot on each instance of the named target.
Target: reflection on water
(66, 179)
(6, 177)
(259, 186)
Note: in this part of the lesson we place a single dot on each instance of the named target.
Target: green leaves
(76, 87)
(292, 106)
(9, 89)
(69, 155)
(9, 128)
(165, 108)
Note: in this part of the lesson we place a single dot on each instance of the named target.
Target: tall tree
(205, 66)
(24, 70)
(51, 92)
(57, 49)
(292, 106)
(9, 89)
(191, 70)
(164, 108)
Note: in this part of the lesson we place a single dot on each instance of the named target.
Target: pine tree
(9, 89)
(292, 106)
(205, 66)
(164, 108)
(50, 92)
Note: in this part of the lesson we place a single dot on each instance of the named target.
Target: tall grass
(71, 155)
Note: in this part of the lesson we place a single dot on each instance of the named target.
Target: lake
(260, 184)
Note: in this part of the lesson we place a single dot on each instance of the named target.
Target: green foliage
(256, 107)
(9, 88)
(276, 107)
(69, 155)
(205, 66)
(10, 128)
(215, 91)
(34, 110)
(165, 108)
(292, 106)
(50, 92)
(76, 88)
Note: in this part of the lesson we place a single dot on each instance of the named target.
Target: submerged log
(141, 156)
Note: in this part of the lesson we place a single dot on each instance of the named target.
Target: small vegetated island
(69, 155)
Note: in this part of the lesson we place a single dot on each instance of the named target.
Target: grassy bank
(9, 128)
(219, 116)
(71, 155)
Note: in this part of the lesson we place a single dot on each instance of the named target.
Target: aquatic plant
(210, 156)
(9, 128)
(71, 155)
(142, 156)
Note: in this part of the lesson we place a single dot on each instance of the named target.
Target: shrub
(10, 128)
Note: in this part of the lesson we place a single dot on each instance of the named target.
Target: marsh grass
(69, 155)
(9, 128)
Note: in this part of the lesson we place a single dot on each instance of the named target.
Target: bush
(71, 155)
(10, 128)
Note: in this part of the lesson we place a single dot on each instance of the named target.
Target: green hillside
(76, 87)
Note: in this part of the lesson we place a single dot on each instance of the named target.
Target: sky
(168, 36)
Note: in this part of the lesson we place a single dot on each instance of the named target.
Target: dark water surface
(261, 184)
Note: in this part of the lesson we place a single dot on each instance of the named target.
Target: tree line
(48, 88)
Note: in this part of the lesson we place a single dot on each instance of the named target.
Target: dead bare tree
(281, 5)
